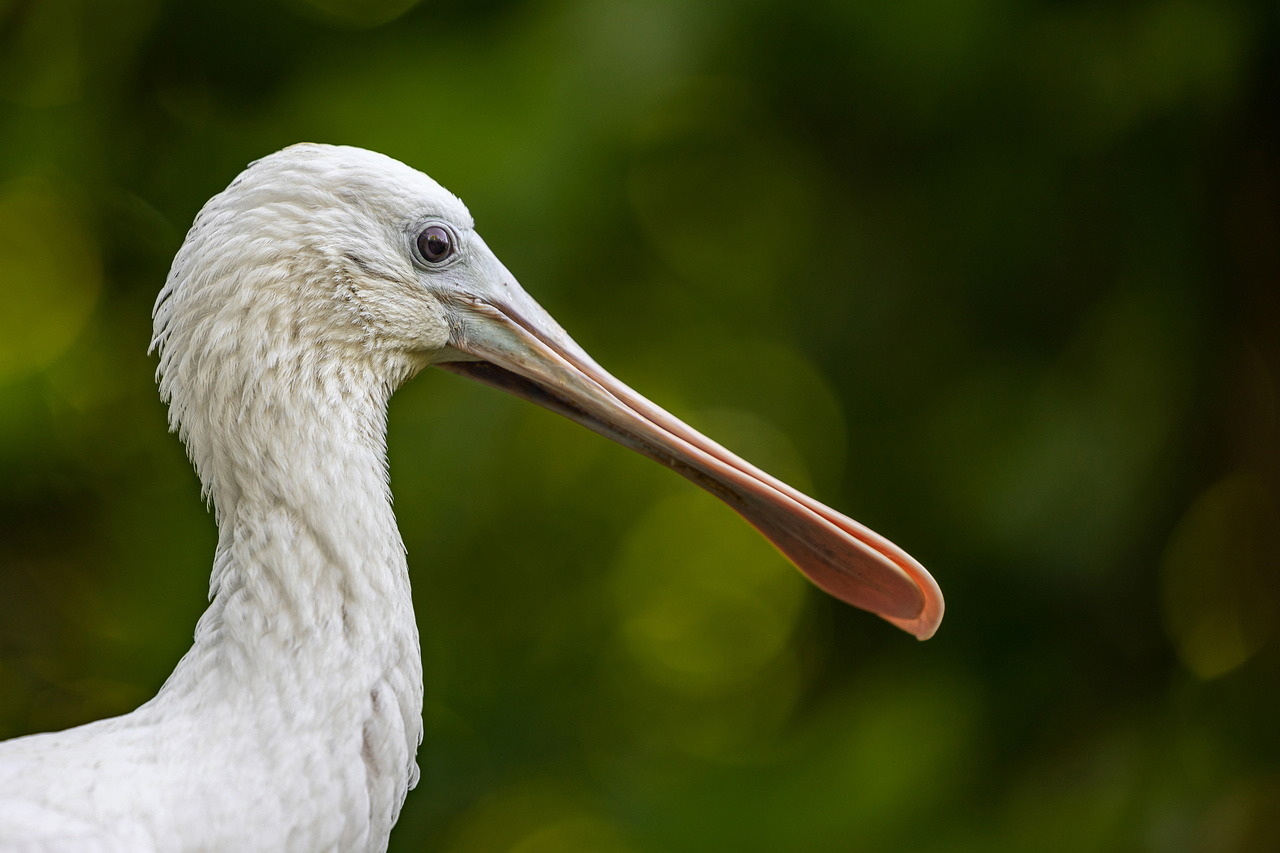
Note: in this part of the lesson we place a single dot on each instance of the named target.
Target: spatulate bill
(839, 555)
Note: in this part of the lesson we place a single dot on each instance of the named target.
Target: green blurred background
(997, 278)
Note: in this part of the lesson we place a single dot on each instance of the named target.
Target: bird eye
(435, 244)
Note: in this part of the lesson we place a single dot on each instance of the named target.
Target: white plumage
(310, 289)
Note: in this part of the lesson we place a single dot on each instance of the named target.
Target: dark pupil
(433, 243)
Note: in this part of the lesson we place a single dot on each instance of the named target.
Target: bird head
(321, 261)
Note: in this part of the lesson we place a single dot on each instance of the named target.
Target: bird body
(292, 722)
(309, 290)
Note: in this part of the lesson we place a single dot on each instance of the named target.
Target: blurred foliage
(997, 278)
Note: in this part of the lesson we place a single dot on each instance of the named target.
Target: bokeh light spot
(705, 603)
(49, 276)
(1219, 568)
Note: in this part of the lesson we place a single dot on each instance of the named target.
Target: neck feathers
(279, 393)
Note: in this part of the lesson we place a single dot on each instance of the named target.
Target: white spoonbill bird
(304, 294)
